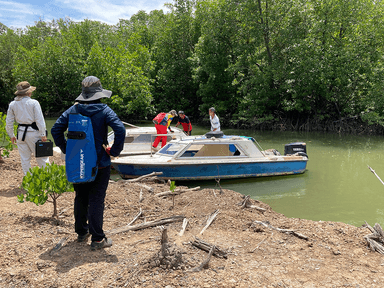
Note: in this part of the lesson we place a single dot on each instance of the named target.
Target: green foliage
(172, 187)
(5, 142)
(44, 183)
(254, 61)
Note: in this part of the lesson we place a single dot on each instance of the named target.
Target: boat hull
(208, 171)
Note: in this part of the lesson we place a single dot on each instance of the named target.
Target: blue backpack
(81, 157)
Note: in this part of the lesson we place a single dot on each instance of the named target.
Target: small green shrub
(44, 183)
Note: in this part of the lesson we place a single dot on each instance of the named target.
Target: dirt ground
(335, 254)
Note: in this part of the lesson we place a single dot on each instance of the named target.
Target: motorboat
(215, 156)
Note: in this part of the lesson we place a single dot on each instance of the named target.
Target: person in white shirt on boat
(27, 113)
(215, 122)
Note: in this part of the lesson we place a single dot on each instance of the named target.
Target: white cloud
(107, 11)
(15, 14)
(20, 15)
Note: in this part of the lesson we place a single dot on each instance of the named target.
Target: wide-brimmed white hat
(92, 90)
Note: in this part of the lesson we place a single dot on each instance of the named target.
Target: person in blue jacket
(89, 199)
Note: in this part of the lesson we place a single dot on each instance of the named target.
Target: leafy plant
(5, 142)
(44, 183)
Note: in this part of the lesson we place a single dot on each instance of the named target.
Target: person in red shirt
(162, 121)
(184, 121)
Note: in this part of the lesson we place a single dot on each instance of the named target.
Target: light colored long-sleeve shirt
(215, 123)
(25, 110)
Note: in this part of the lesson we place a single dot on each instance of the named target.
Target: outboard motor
(216, 134)
(299, 148)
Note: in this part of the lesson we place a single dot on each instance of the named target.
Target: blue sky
(21, 13)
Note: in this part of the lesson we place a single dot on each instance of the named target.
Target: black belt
(33, 125)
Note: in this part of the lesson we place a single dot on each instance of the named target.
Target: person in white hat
(27, 113)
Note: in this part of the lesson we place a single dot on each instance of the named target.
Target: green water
(337, 186)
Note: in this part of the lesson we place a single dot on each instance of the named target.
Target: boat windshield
(171, 149)
(212, 150)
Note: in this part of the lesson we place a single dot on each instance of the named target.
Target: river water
(337, 186)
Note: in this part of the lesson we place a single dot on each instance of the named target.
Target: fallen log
(146, 224)
(210, 220)
(282, 230)
(138, 179)
(176, 192)
(204, 264)
(247, 204)
(201, 244)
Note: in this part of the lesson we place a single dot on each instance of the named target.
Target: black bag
(43, 149)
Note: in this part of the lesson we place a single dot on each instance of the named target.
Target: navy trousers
(89, 205)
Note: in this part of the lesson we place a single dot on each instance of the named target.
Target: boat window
(212, 150)
(171, 149)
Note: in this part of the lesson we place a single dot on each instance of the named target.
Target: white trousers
(27, 148)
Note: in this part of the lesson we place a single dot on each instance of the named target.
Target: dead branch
(282, 230)
(373, 171)
(136, 217)
(247, 204)
(164, 243)
(146, 224)
(141, 197)
(176, 192)
(258, 245)
(140, 213)
(204, 264)
(185, 224)
(58, 246)
(146, 187)
(201, 244)
(210, 220)
(138, 179)
(376, 239)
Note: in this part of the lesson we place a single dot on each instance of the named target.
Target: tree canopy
(254, 61)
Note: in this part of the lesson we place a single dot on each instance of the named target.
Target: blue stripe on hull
(212, 171)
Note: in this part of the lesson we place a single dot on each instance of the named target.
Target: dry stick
(140, 213)
(204, 264)
(185, 224)
(146, 224)
(146, 187)
(58, 246)
(176, 192)
(282, 230)
(373, 171)
(144, 176)
(258, 245)
(201, 244)
(141, 197)
(210, 220)
(164, 243)
(246, 204)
